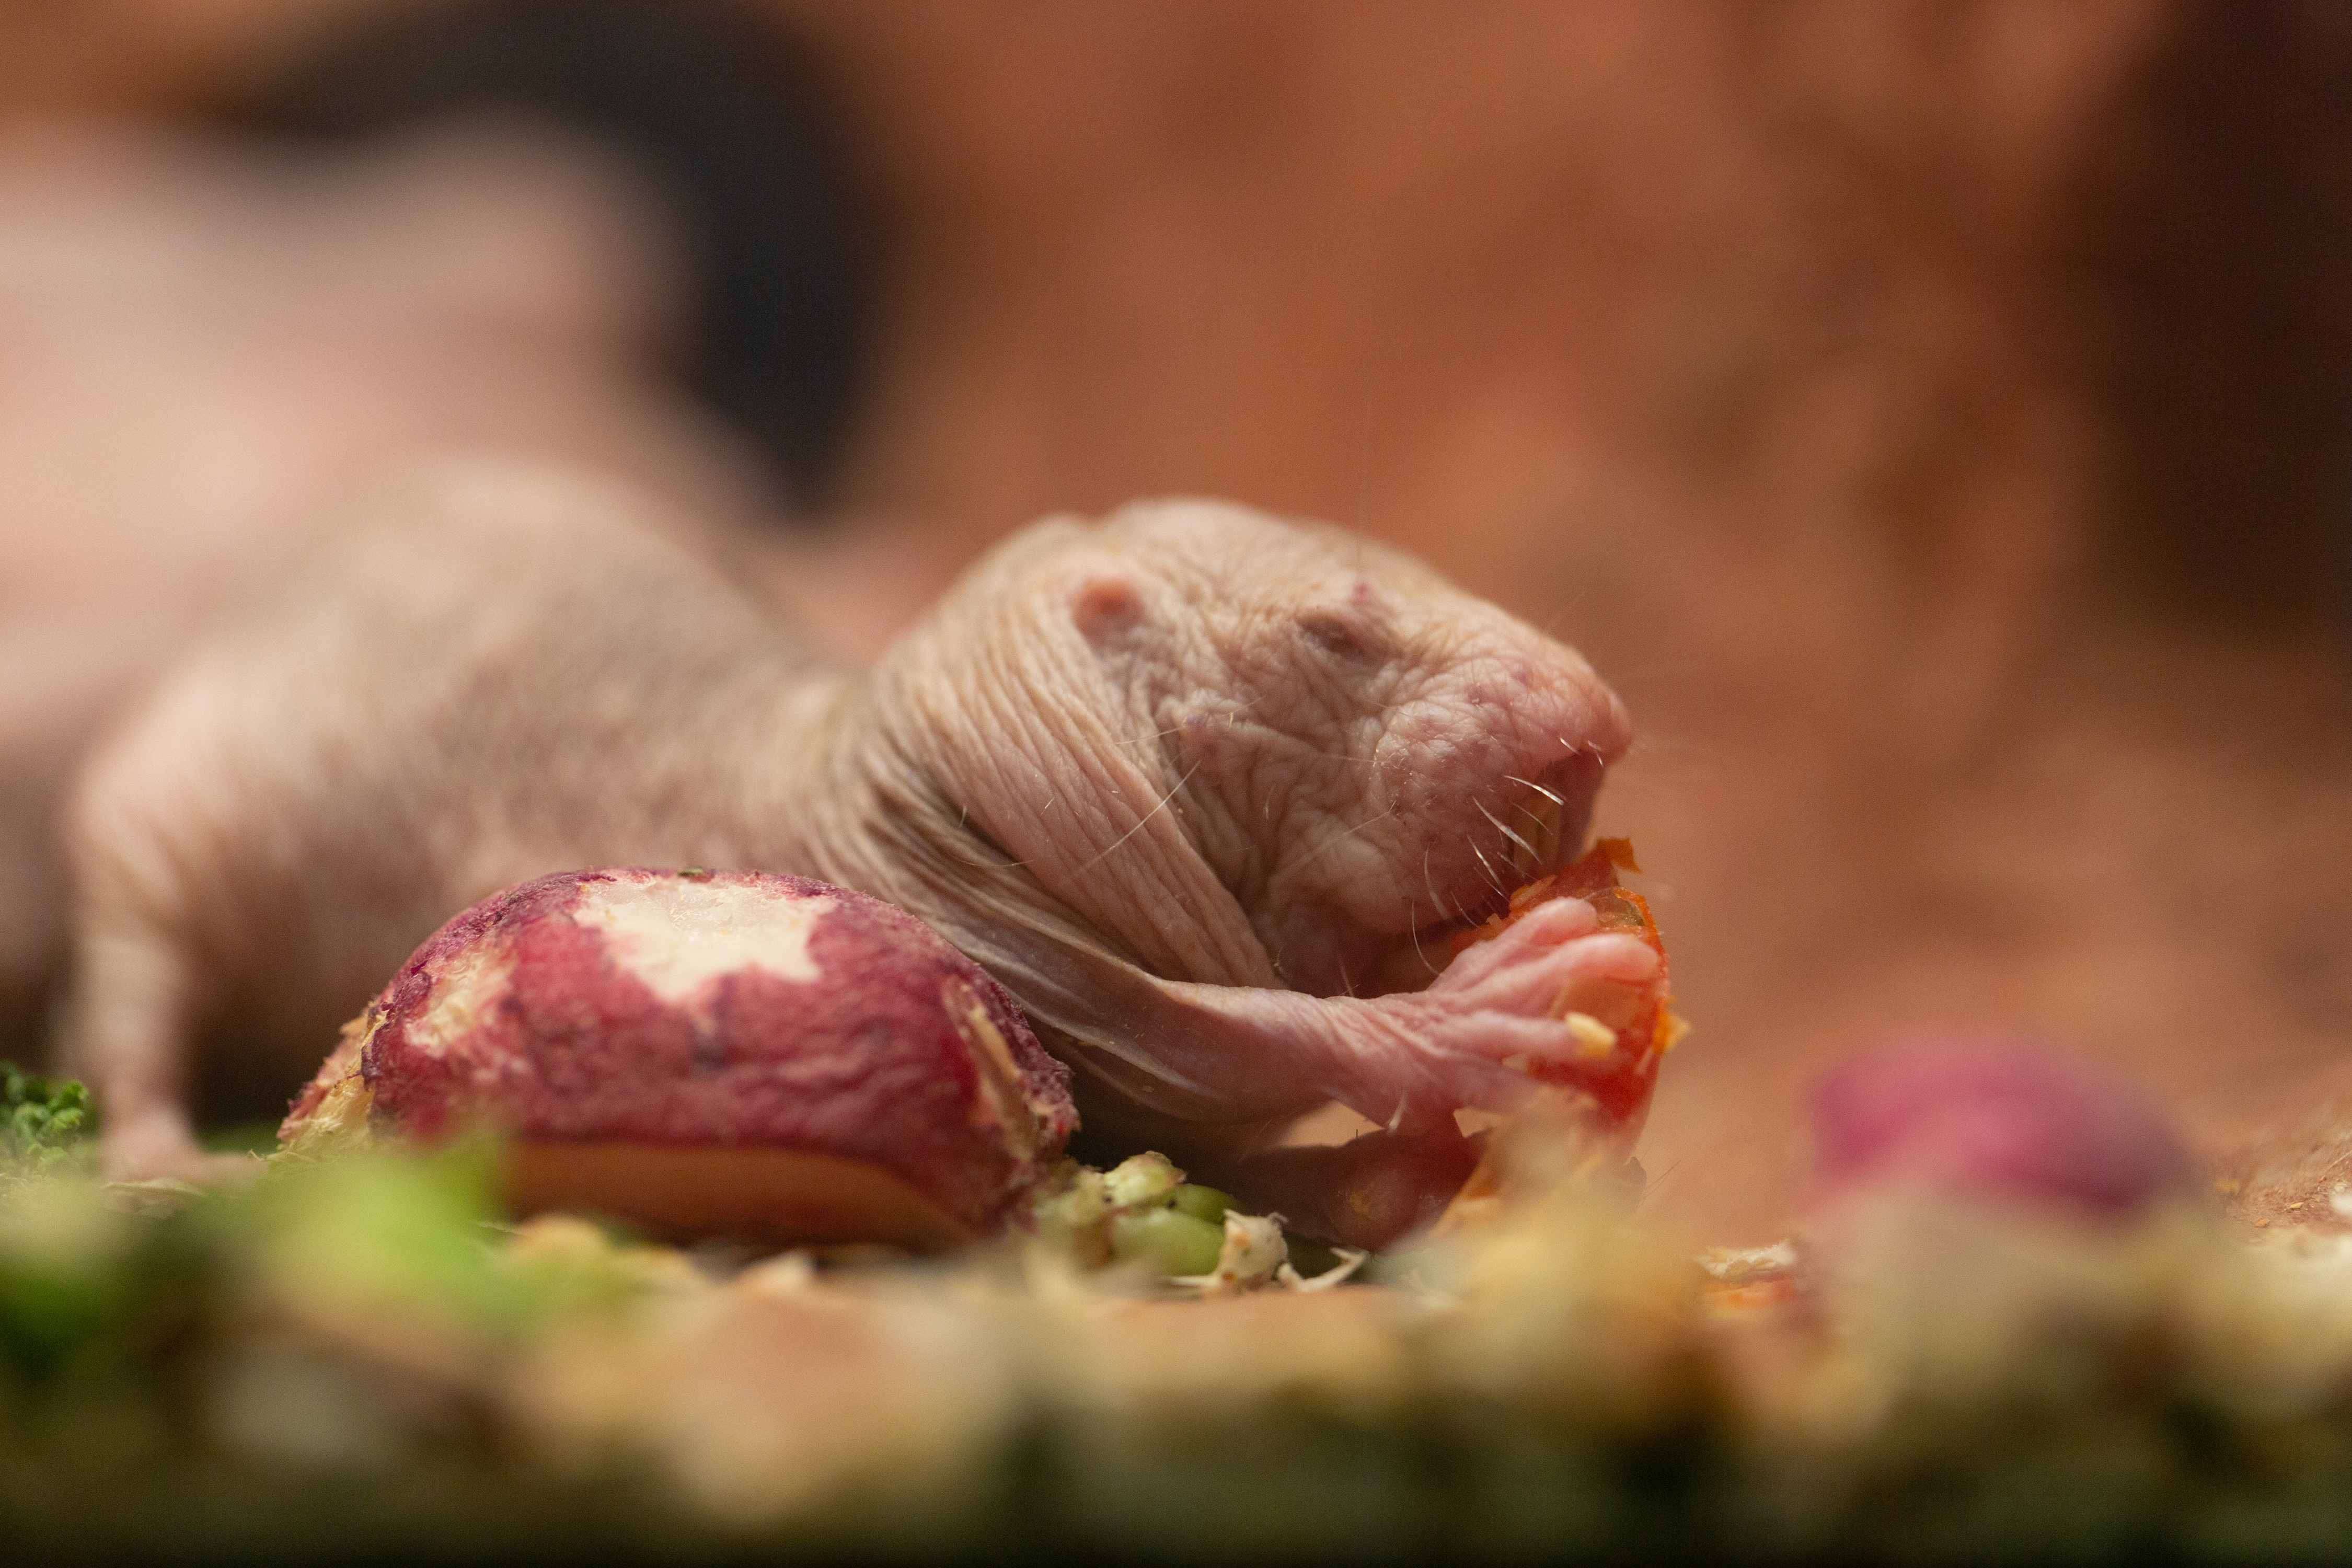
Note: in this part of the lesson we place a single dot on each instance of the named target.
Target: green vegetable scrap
(41, 1120)
(1173, 1243)
(396, 1237)
(1140, 1212)
(1204, 1204)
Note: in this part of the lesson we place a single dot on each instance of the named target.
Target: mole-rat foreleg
(136, 996)
(1407, 1060)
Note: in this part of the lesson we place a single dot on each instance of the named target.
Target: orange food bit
(1621, 1079)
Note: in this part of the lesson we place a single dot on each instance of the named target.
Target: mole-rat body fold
(1189, 780)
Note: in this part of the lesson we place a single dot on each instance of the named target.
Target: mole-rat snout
(1482, 778)
(1499, 760)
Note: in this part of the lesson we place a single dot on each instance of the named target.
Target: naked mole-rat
(1187, 780)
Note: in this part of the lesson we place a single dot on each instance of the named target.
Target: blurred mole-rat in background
(1936, 420)
(615, 235)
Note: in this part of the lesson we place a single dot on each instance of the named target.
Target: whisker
(1593, 746)
(1140, 820)
(1225, 715)
(975, 863)
(1410, 911)
(1540, 789)
(1155, 735)
(1428, 882)
(1490, 871)
(1506, 833)
(1650, 1187)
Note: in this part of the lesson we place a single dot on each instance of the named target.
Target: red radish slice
(713, 1053)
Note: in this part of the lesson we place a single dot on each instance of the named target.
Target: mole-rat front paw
(1553, 962)
(1552, 989)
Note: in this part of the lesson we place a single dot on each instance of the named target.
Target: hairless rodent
(1196, 784)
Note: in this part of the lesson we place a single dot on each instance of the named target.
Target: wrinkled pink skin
(1992, 1116)
(1179, 779)
(863, 1062)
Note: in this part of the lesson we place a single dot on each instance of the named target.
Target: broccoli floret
(41, 1120)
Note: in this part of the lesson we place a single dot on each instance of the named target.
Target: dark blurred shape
(2221, 234)
(729, 119)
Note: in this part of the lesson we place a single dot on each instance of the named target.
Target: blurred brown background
(1936, 418)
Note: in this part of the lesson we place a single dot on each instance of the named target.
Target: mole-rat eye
(1104, 605)
(1339, 634)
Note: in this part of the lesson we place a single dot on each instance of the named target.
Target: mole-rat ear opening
(1106, 604)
